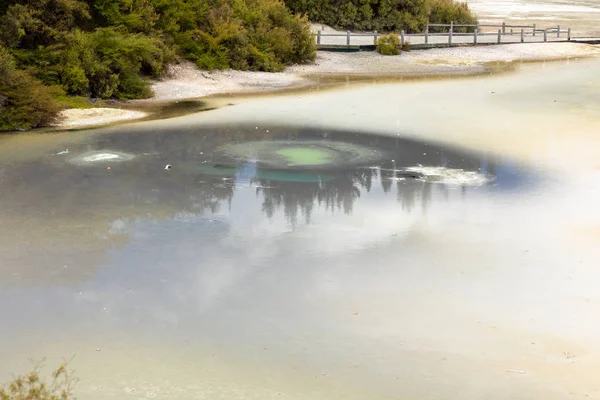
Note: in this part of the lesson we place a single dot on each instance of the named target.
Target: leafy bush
(33, 23)
(383, 15)
(104, 63)
(31, 386)
(388, 45)
(260, 35)
(446, 11)
(24, 101)
(106, 48)
(7, 64)
(113, 60)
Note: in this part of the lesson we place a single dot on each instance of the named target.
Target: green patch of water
(269, 175)
(298, 154)
(305, 155)
(290, 176)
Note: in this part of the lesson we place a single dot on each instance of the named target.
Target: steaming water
(353, 281)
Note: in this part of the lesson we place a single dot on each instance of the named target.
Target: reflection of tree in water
(408, 190)
(299, 199)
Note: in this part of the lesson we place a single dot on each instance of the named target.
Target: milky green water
(355, 281)
(304, 156)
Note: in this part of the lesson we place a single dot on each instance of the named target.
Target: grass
(31, 386)
(77, 101)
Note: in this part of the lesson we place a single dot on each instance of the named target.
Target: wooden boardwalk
(450, 35)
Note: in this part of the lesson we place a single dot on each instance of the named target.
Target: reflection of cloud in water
(78, 204)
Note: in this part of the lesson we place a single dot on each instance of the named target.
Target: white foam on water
(450, 176)
(101, 157)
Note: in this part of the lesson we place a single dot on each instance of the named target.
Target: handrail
(524, 31)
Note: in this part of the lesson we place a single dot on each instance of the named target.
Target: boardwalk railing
(437, 35)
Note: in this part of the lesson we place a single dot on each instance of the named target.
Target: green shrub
(259, 35)
(106, 48)
(383, 15)
(26, 103)
(104, 63)
(388, 45)
(74, 79)
(7, 64)
(135, 15)
(33, 23)
(446, 11)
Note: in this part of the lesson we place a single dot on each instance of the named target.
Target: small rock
(168, 167)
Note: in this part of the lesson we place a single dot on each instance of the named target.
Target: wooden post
(427, 34)
(499, 36)
(402, 36)
(451, 31)
(545, 35)
(534, 29)
(511, 31)
(569, 34)
(558, 31)
(347, 38)
(522, 35)
(319, 37)
(475, 36)
(375, 36)
(503, 28)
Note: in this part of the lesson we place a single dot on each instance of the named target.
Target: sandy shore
(185, 81)
(77, 118)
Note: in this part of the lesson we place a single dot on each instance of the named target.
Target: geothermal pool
(430, 239)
